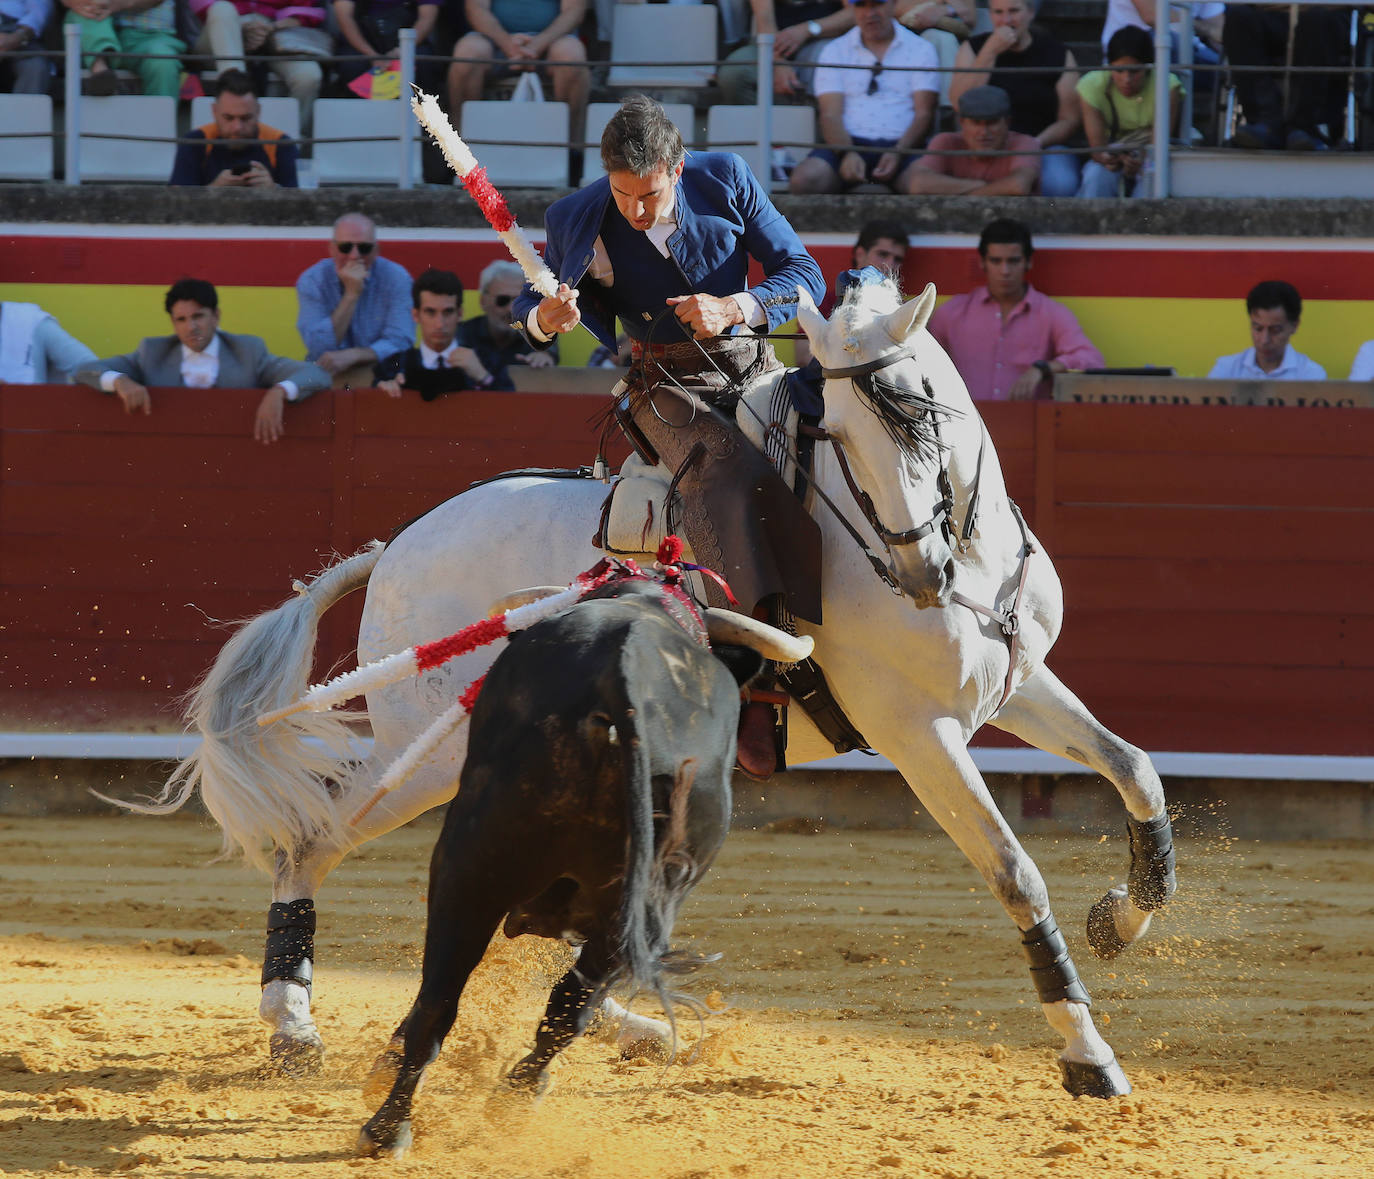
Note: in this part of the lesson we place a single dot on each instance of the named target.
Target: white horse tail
(274, 786)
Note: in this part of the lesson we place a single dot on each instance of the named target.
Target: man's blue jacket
(724, 217)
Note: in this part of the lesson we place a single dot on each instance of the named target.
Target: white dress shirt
(1363, 368)
(1242, 367)
(430, 358)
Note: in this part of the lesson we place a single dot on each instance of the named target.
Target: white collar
(430, 359)
(211, 351)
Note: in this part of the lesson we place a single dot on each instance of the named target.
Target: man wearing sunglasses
(491, 335)
(876, 90)
(354, 307)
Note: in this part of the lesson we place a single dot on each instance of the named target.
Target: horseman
(663, 243)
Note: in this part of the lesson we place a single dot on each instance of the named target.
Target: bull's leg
(1046, 714)
(466, 903)
(569, 1012)
(940, 770)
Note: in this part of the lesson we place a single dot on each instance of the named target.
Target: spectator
(1257, 35)
(1007, 339)
(235, 151)
(111, 28)
(881, 243)
(1004, 163)
(225, 28)
(440, 364)
(490, 335)
(201, 356)
(801, 30)
(1275, 309)
(1118, 106)
(354, 306)
(21, 28)
(1363, 367)
(34, 350)
(370, 36)
(511, 35)
(870, 117)
(1044, 105)
(1207, 26)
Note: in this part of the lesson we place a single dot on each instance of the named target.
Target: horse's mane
(911, 418)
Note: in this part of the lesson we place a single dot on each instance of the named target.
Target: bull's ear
(811, 320)
(911, 315)
(744, 663)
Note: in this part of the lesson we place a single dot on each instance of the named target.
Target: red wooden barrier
(1216, 560)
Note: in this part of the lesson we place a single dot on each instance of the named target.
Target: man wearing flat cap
(1002, 162)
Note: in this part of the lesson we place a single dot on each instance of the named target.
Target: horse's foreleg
(1046, 714)
(943, 775)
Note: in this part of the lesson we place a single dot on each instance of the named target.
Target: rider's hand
(706, 315)
(558, 312)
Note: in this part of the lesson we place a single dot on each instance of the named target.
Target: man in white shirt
(1363, 367)
(870, 116)
(34, 350)
(1275, 309)
(201, 356)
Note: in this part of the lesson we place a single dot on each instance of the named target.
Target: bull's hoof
(374, 1143)
(380, 1080)
(294, 1056)
(1093, 1080)
(1103, 938)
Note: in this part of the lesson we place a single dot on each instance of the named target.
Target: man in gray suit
(199, 355)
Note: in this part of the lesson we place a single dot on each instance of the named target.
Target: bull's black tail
(659, 872)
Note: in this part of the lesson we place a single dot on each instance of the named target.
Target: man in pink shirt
(1007, 339)
(985, 130)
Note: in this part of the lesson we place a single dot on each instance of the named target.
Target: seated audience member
(1275, 309)
(1044, 105)
(440, 364)
(871, 117)
(801, 29)
(993, 170)
(235, 151)
(201, 356)
(491, 336)
(1118, 105)
(354, 306)
(1007, 339)
(882, 243)
(1257, 35)
(370, 37)
(1362, 369)
(34, 350)
(226, 28)
(23, 70)
(512, 35)
(1207, 26)
(109, 31)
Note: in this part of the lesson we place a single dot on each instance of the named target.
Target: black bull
(595, 794)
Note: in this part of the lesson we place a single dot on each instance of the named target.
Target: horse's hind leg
(943, 775)
(1046, 714)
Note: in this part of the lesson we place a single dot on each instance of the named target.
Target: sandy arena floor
(881, 1022)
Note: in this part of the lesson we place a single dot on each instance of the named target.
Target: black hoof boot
(1093, 1080)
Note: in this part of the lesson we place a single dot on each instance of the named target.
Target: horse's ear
(912, 315)
(811, 320)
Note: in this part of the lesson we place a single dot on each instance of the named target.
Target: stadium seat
(659, 35)
(367, 162)
(520, 144)
(599, 114)
(150, 159)
(29, 158)
(282, 113)
(736, 128)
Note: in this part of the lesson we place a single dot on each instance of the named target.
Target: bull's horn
(726, 626)
(523, 597)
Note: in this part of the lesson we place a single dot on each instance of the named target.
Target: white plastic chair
(661, 35)
(504, 136)
(103, 158)
(282, 113)
(599, 114)
(372, 162)
(726, 126)
(30, 158)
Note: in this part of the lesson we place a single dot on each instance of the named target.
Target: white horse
(957, 639)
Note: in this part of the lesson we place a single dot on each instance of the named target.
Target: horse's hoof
(642, 1038)
(392, 1146)
(385, 1068)
(1103, 938)
(1093, 1080)
(291, 1056)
